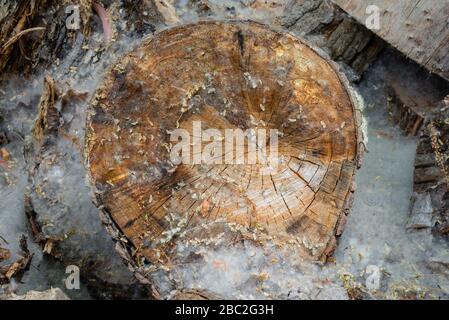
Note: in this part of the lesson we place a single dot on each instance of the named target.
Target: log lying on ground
(237, 75)
(416, 28)
(324, 23)
(415, 93)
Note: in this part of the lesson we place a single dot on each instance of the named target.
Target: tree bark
(344, 39)
(430, 202)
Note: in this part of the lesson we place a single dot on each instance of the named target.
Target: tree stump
(234, 75)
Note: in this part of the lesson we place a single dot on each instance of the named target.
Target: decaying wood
(411, 109)
(414, 95)
(430, 202)
(34, 34)
(226, 75)
(142, 15)
(36, 229)
(407, 114)
(342, 37)
(47, 121)
(18, 267)
(417, 28)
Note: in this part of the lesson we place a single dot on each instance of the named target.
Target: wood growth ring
(226, 75)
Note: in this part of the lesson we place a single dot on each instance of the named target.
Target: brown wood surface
(418, 28)
(165, 84)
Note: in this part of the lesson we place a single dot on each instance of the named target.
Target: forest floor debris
(18, 267)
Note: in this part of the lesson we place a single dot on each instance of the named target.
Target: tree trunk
(416, 28)
(225, 76)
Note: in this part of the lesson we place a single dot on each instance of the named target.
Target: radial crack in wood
(234, 75)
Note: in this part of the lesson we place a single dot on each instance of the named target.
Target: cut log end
(222, 76)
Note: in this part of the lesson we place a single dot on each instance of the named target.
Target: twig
(4, 240)
(17, 37)
(107, 29)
